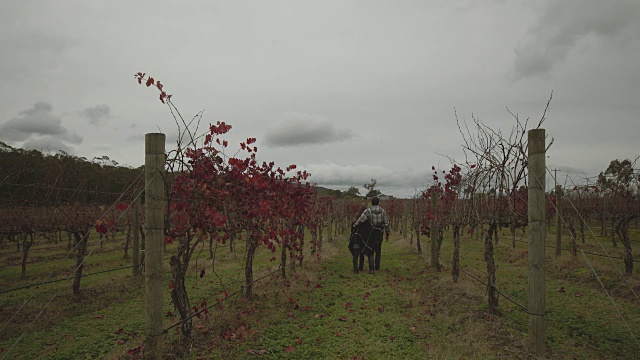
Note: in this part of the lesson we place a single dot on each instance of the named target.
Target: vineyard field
(323, 310)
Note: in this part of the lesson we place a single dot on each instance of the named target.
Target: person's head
(375, 201)
(362, 209)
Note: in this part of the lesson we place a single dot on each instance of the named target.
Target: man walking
(380, 221)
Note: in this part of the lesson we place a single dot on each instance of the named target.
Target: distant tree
(618, 177)
(352, 192)
(371, 188)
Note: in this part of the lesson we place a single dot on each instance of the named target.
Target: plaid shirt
(378, 218)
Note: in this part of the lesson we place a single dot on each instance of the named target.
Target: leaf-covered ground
(324, 311)
(409, 311)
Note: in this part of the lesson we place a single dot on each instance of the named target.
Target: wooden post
(537, 233)
(434, 233)
(136, 237)
(154, 224)
(558, 220)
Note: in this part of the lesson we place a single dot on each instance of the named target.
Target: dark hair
(362, 209)
(375, 200)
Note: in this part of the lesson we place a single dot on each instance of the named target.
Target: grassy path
(401, 311)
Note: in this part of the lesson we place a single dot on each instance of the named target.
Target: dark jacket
(362, 239)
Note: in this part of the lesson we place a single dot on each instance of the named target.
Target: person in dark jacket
(361, 245)
(378, 218)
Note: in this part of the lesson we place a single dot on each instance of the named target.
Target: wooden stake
(558, 220)
(154, 224)
(537, 234)
(136, 237)
(434, 232)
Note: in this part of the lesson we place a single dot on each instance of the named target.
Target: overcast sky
(350, 90)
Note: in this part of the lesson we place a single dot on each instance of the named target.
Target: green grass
(324, 311)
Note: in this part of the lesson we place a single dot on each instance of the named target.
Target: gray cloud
(398, 183)
(34, 123)
(304, 129)
(47, 144)
(135, 138)
(565, 23)
(97, 115)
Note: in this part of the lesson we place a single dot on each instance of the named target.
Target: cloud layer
(97, 115)
(304, 129)
(399, 183)
(39, 129)
(564, 24)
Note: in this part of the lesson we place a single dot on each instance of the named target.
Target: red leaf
(318, 286)
(135, 350)
(171, 285)
(290, 349)
(119, 342)
(579, 294)
(99, 316)
(298, 341)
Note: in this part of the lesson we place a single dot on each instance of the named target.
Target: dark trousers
(377, 249)
(361, 266)
(374, 259)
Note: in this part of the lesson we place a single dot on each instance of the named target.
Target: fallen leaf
(290, 349)
(578, 294)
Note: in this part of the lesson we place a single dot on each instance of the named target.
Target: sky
(349, 90)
